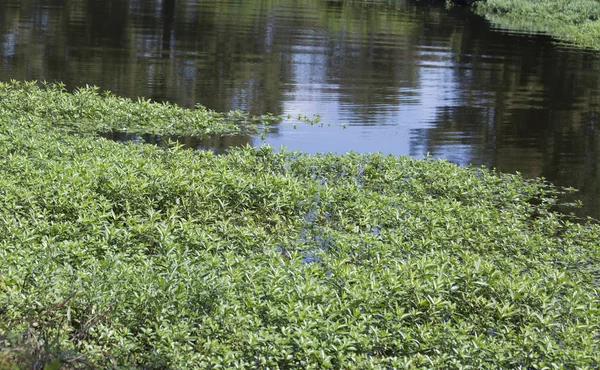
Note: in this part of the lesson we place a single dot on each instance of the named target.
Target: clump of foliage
(140, 256)
(573, 21)
(88, 110)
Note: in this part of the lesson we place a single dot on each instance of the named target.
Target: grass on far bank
(574, 21)
(137, 256)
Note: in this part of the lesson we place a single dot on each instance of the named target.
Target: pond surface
(403, 77)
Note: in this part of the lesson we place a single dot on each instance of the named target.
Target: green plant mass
(128, 255)
(576, 21)
(89, 111)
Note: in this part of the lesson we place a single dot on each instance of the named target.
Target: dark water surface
(405, 77)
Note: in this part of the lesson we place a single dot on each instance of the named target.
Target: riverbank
(142, 256)
(576, 22)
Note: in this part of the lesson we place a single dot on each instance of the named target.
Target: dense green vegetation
(89, 111)
(131, 255)
(573, 21)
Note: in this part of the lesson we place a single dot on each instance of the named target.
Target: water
(404, 77)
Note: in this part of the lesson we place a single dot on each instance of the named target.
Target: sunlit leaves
(571, 21)
(266, 259)
(88, 110)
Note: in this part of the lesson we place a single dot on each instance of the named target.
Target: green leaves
(571, 21)
(89, 111)
(269, 259)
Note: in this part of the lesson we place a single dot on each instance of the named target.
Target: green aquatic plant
(576, 22)
(88, 110)
(126, 255)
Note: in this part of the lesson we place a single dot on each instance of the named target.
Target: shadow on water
(217, 144)
(405, 77)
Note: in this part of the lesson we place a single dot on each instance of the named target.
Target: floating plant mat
(89, 111)
(575, 22)
(131, 255)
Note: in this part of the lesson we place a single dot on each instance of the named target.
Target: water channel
(403, 77)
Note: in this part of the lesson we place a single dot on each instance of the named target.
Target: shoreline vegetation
(88, 111)
(576, 22)
(122, 255)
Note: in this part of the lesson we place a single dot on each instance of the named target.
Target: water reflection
(405, 77)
